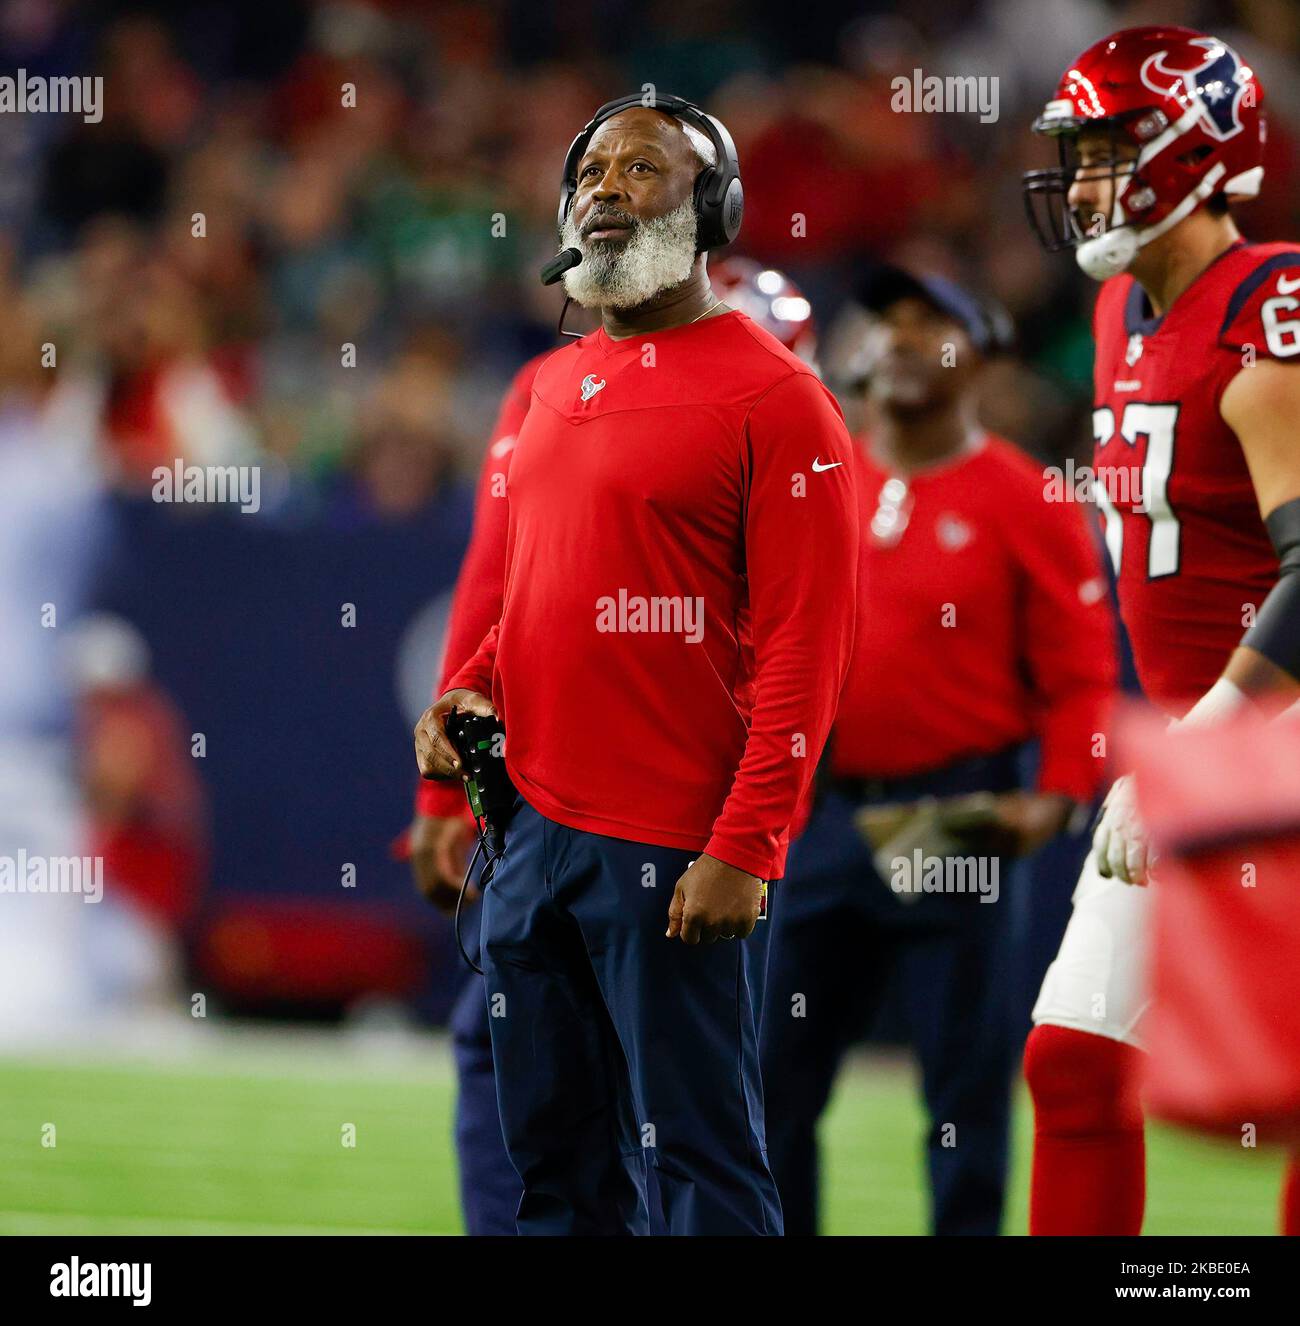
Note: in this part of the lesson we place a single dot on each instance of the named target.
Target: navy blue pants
(489, 1187)
(839, 936)
(616, 1048)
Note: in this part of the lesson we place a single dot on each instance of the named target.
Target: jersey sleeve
(801, 561)
(1263, 313)
(476, 600)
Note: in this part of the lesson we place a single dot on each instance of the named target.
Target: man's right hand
(1120, 842)
(439, 850)
(434, 753)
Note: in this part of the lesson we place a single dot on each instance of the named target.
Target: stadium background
(371, 226)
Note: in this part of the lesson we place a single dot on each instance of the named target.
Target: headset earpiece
(719, 195)
(568, 183)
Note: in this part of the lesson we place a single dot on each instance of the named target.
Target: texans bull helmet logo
(1218, 83)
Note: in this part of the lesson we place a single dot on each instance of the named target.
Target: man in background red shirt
(983, 623)
(441, 833)
(441, 830)
(147, 811)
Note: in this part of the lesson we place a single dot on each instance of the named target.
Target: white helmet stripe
(1175, 131)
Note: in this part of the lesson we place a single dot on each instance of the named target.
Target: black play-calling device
(480, 741)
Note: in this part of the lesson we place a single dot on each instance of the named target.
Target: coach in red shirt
(676, 627)
(983, 623)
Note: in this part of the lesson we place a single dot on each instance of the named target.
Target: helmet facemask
(1103, 245)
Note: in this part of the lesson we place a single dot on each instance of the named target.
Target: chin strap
(1110, 254)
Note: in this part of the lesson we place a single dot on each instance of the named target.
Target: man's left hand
(713, 901)
(1032, 819)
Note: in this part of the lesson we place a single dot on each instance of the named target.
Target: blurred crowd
(272, 184)
(306, 237)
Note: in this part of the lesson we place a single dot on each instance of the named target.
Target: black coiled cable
(484, 849)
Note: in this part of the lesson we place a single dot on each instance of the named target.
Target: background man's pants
(489, 1187)
(838, 935)
(614, 1045)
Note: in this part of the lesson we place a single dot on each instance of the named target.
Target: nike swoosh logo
(1285, 287)
(818, 467)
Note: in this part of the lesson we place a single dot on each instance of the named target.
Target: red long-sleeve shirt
(986, 623)
(476, 601)
(679, 594)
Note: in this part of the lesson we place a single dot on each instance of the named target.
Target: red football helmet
(1188, 105)
(771, 298)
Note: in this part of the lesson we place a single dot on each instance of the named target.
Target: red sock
(1089, 1173)
(1291, 1197)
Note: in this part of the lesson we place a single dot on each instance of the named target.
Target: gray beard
(660, 255)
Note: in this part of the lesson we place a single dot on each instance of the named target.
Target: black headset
(719, 198)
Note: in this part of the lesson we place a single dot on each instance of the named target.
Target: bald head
(650, 155)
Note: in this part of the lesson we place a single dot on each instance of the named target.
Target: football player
(983, 624)
(1197, 394)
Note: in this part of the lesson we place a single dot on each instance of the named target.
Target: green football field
(249, 1135)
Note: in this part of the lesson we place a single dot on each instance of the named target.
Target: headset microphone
(561, 263)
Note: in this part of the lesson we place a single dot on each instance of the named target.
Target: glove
(1120, 842)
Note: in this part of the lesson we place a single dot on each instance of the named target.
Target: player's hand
(713, 901)
(434, 753)
(1120, 843)
(439, 852)
(1030, 819)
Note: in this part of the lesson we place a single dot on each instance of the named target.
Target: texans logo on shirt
(1218, 83)
(954, 533)
(591, 384)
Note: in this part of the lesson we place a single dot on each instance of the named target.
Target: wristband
(1276, 632)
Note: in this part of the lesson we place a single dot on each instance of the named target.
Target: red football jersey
(1181, 521)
